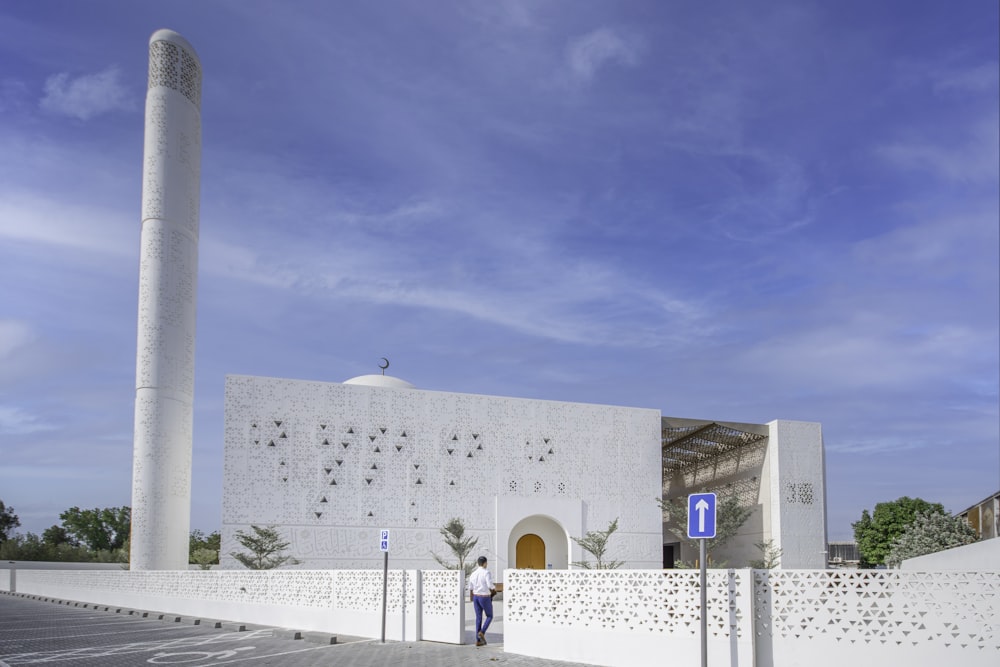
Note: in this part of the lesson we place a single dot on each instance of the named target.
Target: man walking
(481, 592)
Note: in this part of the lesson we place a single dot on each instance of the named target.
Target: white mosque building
(331, 465)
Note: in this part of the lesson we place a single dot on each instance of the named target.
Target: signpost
(384, 547)
(701, 526)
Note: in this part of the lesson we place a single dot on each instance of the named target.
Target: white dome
(380, 381)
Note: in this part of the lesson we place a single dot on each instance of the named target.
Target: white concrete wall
(832, 618)
(982, 556)
(796, 480)
(430, 607)
(59, 565)
(766, 618)
(332, 464)
(628, 618)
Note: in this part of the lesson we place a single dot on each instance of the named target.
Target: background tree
(595, 542)
(32, 547)
(200, 546)
(929, 533)
(453, 532)
(100, 529)
(56, 536)
(8, 522)
(730, 515)
(106, 532)
(266, 549)
(876, 532)
(23, 547)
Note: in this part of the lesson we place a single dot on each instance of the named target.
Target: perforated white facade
(168, 276)
(331, 464)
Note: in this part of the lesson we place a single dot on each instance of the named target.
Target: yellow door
(530, 552)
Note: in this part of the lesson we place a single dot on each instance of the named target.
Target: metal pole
(704, 605)
(385, 588)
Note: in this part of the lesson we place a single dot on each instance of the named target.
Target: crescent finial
(384, 365)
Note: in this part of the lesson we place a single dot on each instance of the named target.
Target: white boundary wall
(979, 556)
(877, 617)
(426, 605)
(765, 618)
(777, 618)
(628, 618)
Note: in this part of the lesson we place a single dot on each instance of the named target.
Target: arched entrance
(538, 542)
(530, 551)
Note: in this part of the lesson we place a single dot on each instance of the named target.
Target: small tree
(200, 546)
(929, 533)
(595, 542)
(205, 558)
(771, 555)
(266, 549)
(461, 546)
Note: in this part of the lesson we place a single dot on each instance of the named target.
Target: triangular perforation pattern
(912, 610)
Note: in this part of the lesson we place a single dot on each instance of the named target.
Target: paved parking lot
(35, 632)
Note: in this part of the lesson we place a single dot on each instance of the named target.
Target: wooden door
(530, 552)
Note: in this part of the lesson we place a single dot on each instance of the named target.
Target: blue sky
(781, 210)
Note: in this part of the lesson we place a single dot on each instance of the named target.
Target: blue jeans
(482, 604)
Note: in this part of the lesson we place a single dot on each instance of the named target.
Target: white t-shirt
(480, 581)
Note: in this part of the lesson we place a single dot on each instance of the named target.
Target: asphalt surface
(35, 631)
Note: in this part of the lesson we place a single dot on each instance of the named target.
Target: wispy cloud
(13, 336)
(87, 95)
(975, 159)
(15, 421)
(977, 79)
(590, 52)
(35, 218)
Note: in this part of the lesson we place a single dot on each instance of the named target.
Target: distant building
(843, 554)
(984, 516)
(333, 464)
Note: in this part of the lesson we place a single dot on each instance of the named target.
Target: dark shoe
(481, 639)
(480, 642)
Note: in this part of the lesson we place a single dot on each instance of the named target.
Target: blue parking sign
(384, 541)
(701, 515)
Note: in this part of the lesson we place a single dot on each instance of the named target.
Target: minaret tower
(168, 278)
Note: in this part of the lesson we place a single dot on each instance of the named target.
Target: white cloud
(87, 95)
(15, 421)
(13, 336)
(975, 160)
(590, 52)
(982, 78)
(27, 216)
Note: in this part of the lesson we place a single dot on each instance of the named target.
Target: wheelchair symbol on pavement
(194, 656)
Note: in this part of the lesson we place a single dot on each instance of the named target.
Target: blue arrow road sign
(701, 515)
